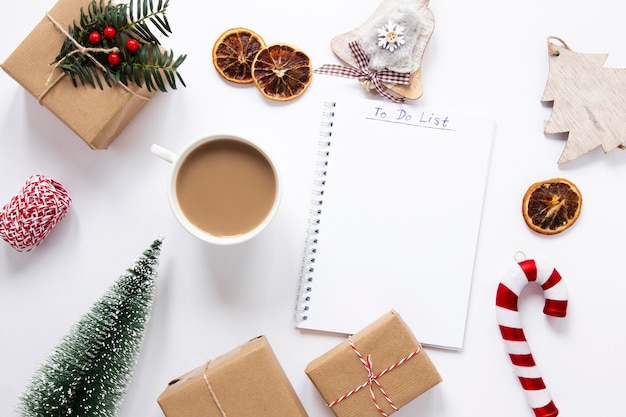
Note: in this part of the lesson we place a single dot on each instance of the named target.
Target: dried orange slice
(282, 72)
(549, 207)
(233, 53)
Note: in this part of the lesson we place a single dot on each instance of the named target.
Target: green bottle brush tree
(87, 374)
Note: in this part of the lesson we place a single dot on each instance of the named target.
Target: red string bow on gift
(372, 378)
(363, 73)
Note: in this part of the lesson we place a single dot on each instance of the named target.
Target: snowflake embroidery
(391, 36)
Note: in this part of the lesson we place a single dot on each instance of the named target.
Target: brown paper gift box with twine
(96, 116)
(245, 382)
(375, 372)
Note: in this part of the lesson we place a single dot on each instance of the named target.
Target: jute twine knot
(32, 213)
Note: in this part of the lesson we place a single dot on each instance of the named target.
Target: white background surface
(484, 55)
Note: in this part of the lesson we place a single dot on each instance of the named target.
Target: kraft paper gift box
(96, 115)
(399, 367)
(245, 382)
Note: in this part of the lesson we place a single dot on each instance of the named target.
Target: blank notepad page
(395, 218)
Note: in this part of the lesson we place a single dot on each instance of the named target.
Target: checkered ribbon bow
(31, 214)
(377, 78)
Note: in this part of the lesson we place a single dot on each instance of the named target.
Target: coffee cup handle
(163, 153)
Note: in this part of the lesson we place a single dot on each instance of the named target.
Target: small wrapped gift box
(97, 116)
(375, 372)
(245, 382)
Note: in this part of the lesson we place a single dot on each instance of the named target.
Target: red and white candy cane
(510, 323)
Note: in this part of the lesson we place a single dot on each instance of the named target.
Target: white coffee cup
(222, 188)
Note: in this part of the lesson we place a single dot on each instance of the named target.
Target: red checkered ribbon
(377, 78)
(372, 378)
(32, 213)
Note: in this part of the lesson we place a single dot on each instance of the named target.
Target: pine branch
(144, 11)
(87, 63)
(149, 66)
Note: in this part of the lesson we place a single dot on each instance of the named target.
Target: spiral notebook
(395, 218)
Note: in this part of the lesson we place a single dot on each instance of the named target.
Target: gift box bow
(372, 381)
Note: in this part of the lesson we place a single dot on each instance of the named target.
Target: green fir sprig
(88, 56)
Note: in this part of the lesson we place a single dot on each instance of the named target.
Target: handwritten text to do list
(424, 119)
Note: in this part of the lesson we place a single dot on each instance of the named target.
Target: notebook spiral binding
(308, 263)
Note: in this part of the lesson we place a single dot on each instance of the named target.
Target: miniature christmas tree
(88, 372)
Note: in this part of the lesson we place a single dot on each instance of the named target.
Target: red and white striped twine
(510, 324)
(32, 213)
(372, 378)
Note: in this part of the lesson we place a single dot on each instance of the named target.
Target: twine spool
(32, 213)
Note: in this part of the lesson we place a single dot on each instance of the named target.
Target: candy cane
(510, 323)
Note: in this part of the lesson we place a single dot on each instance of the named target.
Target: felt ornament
(385, 52)
(589, 100)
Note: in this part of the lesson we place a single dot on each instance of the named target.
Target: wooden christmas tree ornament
(589, 100)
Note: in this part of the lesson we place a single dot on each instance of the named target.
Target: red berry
(95, 38)
(113, 59)
(109, 32)
(132, 45)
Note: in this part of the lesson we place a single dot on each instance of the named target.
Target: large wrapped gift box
(377, 370)
(245, 382)
(96, 115)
